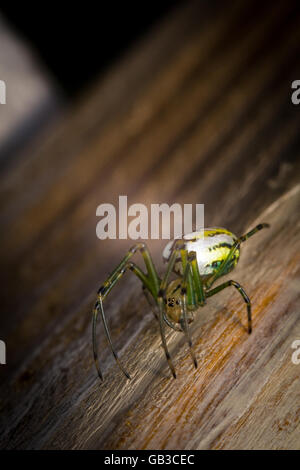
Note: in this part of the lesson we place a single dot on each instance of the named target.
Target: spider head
(173, 301)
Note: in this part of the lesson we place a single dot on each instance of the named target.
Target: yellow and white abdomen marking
(211, 245)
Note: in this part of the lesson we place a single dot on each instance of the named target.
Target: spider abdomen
(211, 245)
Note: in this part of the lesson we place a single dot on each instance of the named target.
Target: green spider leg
(150, 281)
(160, 301)
(191, 294)
(243, 294)
(188, 294)
(235, 246)
(151, 302)
(197, 280)
(222, 269)
(187, 280)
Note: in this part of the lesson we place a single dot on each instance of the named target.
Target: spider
(198, 260)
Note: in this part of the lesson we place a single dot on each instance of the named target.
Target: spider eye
(177, 302)
(216, 264)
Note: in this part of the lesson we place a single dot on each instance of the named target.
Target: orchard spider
(198, 259)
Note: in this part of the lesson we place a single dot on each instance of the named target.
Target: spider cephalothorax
(173, 303)
(198, 259)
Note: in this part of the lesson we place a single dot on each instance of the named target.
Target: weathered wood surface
(199, 112)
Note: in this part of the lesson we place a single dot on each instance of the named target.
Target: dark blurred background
(52, 52)
(76, 43)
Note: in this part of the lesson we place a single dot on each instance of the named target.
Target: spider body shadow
(198, 259)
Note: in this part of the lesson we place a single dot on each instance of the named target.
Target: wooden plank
(199, 112)
(229, 401)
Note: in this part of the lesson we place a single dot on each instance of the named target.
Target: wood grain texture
(199, 112)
